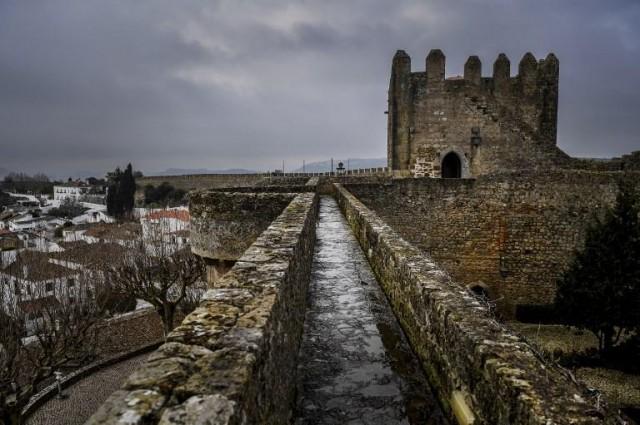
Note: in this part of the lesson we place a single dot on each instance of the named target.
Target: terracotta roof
(82, 226)
(38, 304)
(93, 255)
(75, 183)
(5, 215)
(183, 232)
(115, 231)
(178, 214)
(65, 245)
(34, 266)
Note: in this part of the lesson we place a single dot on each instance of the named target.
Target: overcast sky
(91, 84)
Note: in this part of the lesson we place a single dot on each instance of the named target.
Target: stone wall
(272, 188)
(492, 124)
(224, 224)
(512, 234)
(201, 181)
(233, 360)
(628, 162)
(231, 181)
(471, 360)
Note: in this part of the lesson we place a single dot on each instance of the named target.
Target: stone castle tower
(472, 125)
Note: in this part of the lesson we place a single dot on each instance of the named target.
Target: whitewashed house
(166, 231)
(71, 190)
(33, 282)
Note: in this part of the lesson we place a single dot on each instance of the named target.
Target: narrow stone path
(356, 366)
(85, 396)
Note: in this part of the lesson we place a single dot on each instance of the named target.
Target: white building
(73, 191)
(32, 281)
(27, 222)
(166, 231)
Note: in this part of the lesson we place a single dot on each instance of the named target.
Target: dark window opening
(451, 166)
(480, 292)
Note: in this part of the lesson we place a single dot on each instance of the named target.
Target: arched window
(451, 166)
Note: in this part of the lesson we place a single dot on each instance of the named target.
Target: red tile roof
(38, 304)
(34, 266)
(180, 214)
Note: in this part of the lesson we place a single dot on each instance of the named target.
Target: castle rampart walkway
(356, 366)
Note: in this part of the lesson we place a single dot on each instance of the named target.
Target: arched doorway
(480, 291)
(451, 166)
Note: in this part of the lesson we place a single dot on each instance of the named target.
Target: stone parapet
(481, 371)
(225, 224)
(233, 360)
(513, 234)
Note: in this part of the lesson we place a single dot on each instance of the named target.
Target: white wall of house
(93, 216)
(7, 257)
(30, 290)
(71, 235)
(161, 228)
(69, 192)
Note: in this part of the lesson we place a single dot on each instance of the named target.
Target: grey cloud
(93, 84)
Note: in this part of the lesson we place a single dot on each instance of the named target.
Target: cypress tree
(121, 191)
(114, 205)
(127, 189)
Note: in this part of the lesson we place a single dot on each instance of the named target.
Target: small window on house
(71, 283)
(48, 286)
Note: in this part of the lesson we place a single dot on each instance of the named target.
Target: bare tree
(40, 335)
(12, 395)
(164, 274)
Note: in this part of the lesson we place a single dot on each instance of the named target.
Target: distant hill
(181, 171)
(3, 172)
(351, 163)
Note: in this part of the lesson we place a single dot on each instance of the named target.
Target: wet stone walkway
(356, 366)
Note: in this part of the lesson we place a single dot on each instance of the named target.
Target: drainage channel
(355, 366)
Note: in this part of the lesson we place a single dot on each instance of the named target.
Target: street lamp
(58, 376)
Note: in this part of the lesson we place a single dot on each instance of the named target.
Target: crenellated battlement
(532, 74)
(431, 115)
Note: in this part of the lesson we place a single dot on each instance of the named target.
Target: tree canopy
(164, 195)
(121, 192)
(601, 289)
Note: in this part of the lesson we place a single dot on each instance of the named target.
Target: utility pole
(331, 167)
(283, 166)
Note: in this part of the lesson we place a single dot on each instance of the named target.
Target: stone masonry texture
(461, 346)
(511, 234)
(232, 360)
(224, 224)
(515, 118)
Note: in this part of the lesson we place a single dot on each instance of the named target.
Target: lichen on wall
(469, 357)
(225, 224)
(233, 359)
(514, 234)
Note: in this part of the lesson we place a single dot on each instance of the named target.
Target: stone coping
(225, 223)
(472, 361)
(233, 359)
